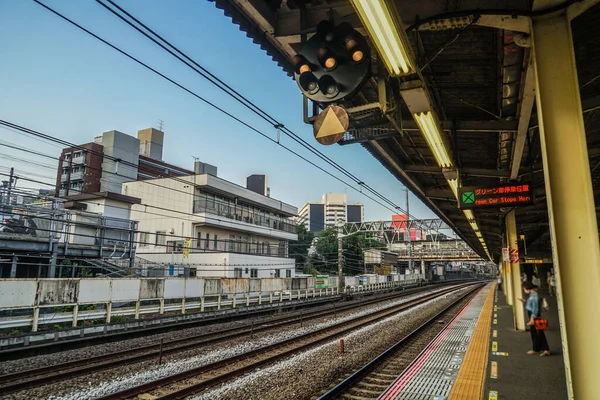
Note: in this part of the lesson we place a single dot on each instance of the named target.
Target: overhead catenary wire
(234, 94)
(361, 183)
(46, 137)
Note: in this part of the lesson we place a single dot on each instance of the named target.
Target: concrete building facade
(203, 225)
(333, 208)
(113, 158)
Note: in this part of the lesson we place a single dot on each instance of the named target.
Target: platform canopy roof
(475, 62)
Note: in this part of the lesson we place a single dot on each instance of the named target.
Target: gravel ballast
(111, 381)
(313, 372)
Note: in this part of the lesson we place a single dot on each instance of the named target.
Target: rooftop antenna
(160, 125)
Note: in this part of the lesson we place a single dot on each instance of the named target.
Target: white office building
(202, 225)
(333, 207)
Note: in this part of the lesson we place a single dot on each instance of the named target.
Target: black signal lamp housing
(336, 59)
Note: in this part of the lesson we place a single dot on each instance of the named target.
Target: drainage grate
(437, 375)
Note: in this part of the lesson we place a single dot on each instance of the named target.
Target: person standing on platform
(551, 283)
(532, 305)
(499, 278)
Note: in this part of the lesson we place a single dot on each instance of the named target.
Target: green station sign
(497, 196)
(321, 282)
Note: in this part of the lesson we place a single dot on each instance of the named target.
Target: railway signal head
(332, 64)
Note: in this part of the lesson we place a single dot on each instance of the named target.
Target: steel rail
(352, 380)
(209, 375)
(53, 373)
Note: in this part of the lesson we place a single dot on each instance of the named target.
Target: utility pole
(340, 255)
(340, 260)
(410, 252)
(10, 184)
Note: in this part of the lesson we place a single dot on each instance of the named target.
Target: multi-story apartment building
(203, 225)
(113, 158)
(333, 208)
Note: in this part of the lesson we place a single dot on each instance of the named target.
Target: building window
(215, 242)
(199, 240)
(288, 273)
(77, 154)
(207, 241)
(237, 272)
(161, 238)
(143, 238)
(254, 273)
(277, 273)
(193, 272)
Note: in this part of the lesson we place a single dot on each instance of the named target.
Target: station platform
(458, 363)
(519, 375)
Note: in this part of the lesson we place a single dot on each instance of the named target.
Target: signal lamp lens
(308, 82)
(327, 58)
(358, 56)
(329, 86)
(353, 48)
(300, 64)
(350, 44)
(304, 68)
(330, 63)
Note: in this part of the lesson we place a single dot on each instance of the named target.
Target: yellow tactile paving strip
(471, 377)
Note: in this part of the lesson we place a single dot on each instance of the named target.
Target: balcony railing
(229, 246)
(244, 214)
(79, 160)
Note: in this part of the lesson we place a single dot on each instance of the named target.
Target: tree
(325, 258)
(299, 248)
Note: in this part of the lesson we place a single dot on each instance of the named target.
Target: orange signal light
(330, 63)
(304, 68)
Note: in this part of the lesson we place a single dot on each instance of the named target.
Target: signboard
(330, 125)
(514, 256)
(186, 247)
(321, 282)
(362, 280)
(505, 254)
(498, 196)
(537, 261)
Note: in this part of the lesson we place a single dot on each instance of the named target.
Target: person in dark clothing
(532, 305)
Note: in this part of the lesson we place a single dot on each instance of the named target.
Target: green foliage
(57, 327)
(82, 307)
(72, 269)
(325, 258)
(117, 319)
(299, 248)
(15, 332)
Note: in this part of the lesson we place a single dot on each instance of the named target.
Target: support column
(13, 267)
(52, 273)
(504, 276)
(508, 281)
(515, 271)
(422, 269)
(569, 194)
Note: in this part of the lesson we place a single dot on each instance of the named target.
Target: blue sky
(56, 79)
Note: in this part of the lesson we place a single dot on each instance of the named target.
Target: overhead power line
(250, 105)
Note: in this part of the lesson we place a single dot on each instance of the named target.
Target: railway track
(189, 382)
(370, 381)
(28, 379)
